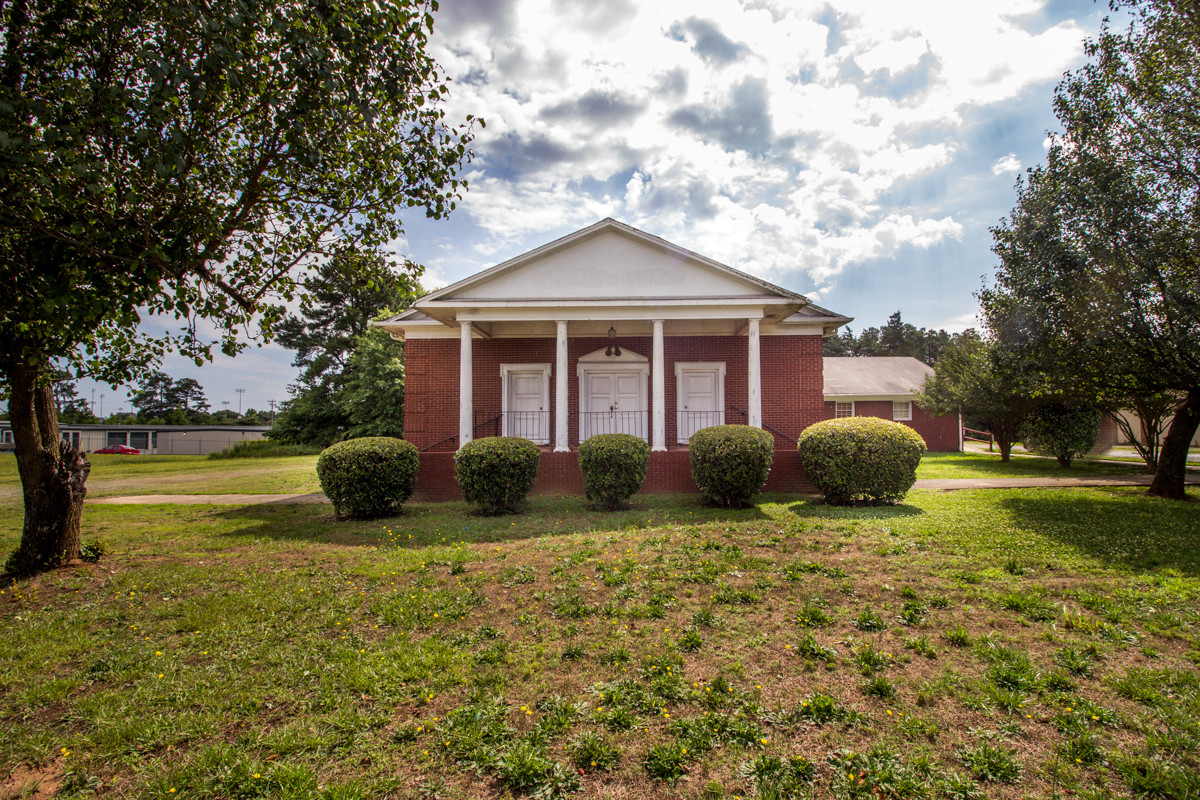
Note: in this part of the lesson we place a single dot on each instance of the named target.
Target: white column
(465, 407)
(658, 379)
(754, 379)
(560, 391)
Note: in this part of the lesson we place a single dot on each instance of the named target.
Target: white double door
(613, 402)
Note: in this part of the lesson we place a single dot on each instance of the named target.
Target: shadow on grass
(424, 524)
(817, 509)
(1120, 529)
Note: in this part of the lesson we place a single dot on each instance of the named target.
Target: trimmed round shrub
(1062, 431)
(730, 462)
(495, 473)
(369, 477)
(863, 460)
(614, 467)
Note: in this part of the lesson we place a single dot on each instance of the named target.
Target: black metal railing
(766, 427)
(536, 426)
(635, 423)
(688, 422)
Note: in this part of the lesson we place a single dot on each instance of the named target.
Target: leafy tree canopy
(896, 338)
(1099, 276)
(190, 159)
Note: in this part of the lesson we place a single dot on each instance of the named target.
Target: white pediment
(609, 261)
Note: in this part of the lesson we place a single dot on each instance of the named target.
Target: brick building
(606, 330)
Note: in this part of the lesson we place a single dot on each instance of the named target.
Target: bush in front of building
(1062, 431)
(730, 462)
(497, 472)
(613, 467)
(861, 460)
(370, 477)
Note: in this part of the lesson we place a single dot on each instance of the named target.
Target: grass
(668, 649)
(972, 464)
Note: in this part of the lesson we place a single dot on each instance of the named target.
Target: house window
(699, 397)
(115, 438)
(525, 402)
(843, 409)
(140, 440)
(902, 410)
(8, 437)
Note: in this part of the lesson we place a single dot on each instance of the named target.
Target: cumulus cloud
(776, 135)
(1006, 164)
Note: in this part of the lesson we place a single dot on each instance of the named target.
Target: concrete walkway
(209, 499)
(939, 484)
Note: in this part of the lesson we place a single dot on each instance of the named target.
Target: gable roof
(874, 376)
(724, 282)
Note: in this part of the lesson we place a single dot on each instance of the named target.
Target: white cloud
(1006, 164)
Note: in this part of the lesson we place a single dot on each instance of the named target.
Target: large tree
(188, 159)
(333, 399)
(979, 379)
(1101, 256)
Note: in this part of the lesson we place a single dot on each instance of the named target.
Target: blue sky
(854, 152)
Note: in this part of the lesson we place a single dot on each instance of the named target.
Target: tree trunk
(1172, 458)
(53, 477)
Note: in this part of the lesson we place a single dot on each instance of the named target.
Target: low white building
(163, 440)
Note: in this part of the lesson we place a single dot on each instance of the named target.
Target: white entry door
(615, 402)
(700, 397)
(526, 402)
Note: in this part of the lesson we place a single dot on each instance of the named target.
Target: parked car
(118, 450)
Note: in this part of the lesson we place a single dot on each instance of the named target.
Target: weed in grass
(991, 763)
(912, 727)
(808, 647)
(1014, 567)
(820, 709)
(1030, 606)
(869, 620)
(706, 619)
(878, 773)
(957, 637)
(1080, 748)
(869, 659)
(690, 640)
(493, 654)
(812, 615)
(776, 777)
(616, 656)
(516, 576)
(593, 752)
(913, 613)
(1147, 776)
(730, 596)
(573, 652)
(666, 762)
(921, 645)
(1075, 661)
(939, 601)
(616, 718)
(525, 769)
(957, 786)
(880, 687)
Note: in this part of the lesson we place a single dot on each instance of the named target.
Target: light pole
(240, 393)
(102, 405)
(272, 404)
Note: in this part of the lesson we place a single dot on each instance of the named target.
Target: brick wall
(940, 433)
(790, 366)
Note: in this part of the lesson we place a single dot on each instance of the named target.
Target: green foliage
(1062, 431)
(370, 477)
(896, 338)
(352, 383)
(1098, 258)
(974, 378)
(187, 161)
(730, 462)
(614, 467)
(264, 448)
(93, 550)
(861, 459)
(157, 395)
(593, 752)
(988, 762)
(497, 472)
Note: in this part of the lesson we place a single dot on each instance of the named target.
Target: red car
(118, 450)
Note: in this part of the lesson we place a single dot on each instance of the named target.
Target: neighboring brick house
(609, 329)
(876, 386)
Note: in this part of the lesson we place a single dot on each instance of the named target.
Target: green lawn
(987, 465)
(1020, 643)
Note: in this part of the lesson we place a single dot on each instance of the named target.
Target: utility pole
(102, 405)
(240, 393)
(272, 404)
